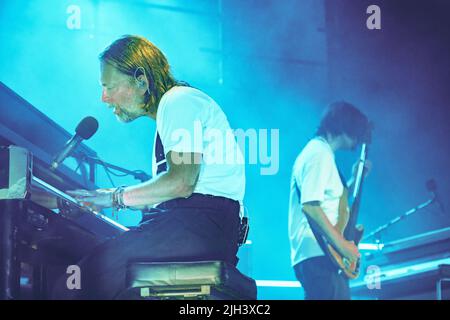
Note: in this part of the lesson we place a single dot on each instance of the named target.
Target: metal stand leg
(439, 287)
(9, 262)
(40, 282)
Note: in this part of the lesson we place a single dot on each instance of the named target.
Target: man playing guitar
(318, 195)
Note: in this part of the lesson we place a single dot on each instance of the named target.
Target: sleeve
(180, 123)
(314, 177)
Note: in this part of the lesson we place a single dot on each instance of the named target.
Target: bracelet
(63, 206)
(117, 198)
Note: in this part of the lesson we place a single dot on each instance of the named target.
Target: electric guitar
(352, 232)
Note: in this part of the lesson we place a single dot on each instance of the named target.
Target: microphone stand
(376, 233)
(138, 175)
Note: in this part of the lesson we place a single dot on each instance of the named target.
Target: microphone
(85, 129)
(432, 187)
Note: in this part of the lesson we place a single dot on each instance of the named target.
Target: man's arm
(344, 213)
(178, 181)
(347, 248)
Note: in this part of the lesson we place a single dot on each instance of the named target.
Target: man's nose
(105, 97)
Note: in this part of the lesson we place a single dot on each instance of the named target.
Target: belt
(199, 200)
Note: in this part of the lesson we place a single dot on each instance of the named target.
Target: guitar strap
(161, 161)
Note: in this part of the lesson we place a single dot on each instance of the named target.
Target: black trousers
(321, 280)
(200, 227)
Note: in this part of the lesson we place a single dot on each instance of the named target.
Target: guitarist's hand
(350, 251)
(367, 168)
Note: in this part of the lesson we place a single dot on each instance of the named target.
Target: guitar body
(351, 270)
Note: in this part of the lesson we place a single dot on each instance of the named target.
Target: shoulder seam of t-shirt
(325, 145)
(179, 91)
(321, 153)
(166, 99)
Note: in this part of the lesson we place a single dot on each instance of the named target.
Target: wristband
(117, 198)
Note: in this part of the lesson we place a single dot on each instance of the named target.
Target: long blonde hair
(135, 56)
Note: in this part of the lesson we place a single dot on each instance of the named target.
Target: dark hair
(342, 117)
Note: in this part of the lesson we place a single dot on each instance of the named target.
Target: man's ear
(142, 82)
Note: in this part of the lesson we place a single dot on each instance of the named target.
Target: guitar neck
(351, 233)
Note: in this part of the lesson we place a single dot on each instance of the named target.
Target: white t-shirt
(316, 177)
(188, 120)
